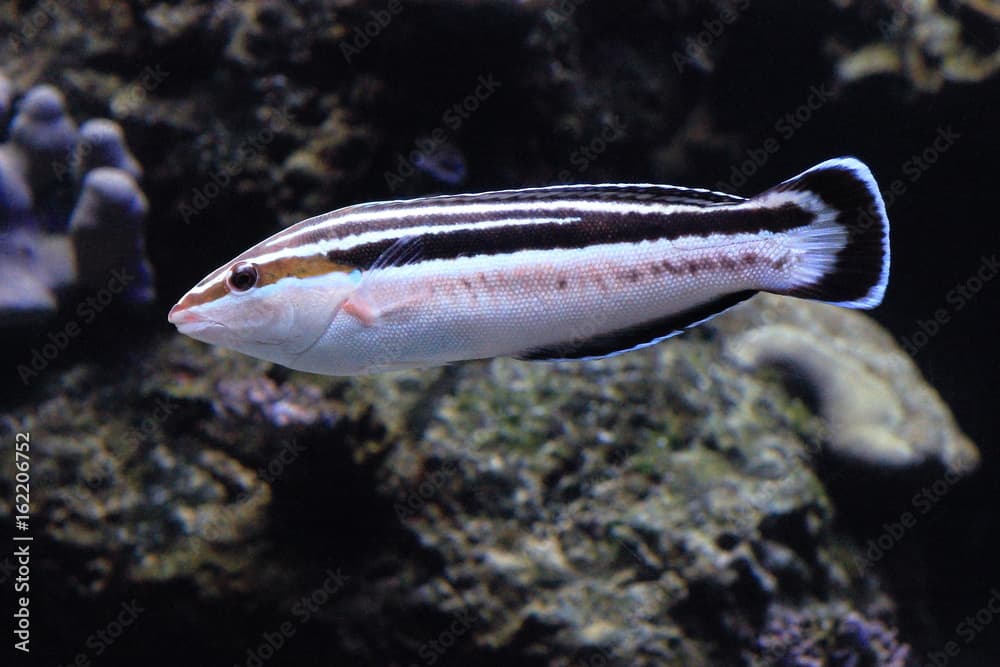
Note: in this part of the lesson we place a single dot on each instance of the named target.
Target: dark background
(764, 66)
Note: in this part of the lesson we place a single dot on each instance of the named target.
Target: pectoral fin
(378, 295)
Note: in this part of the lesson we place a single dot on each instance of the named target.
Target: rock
(654, 508)
(877, 407)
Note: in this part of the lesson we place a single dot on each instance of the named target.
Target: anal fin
(638, 336)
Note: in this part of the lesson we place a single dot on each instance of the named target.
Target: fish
(444, 162)
(562, 272)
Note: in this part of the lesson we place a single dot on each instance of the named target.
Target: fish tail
(844, 252)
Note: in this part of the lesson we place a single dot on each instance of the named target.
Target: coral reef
(570, 511)
(50, 243)
(827, 635)
(927, 43)
(877, 407)
(658, 508)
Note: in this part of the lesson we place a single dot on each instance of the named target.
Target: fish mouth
(190, 323)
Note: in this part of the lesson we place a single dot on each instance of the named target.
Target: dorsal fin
(607, 192)
(405, 250)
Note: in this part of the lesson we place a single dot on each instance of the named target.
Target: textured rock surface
(656, 508)
(876, 406)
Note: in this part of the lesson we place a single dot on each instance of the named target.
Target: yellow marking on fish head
(271, 310)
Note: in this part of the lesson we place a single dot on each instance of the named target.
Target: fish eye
(243, 277)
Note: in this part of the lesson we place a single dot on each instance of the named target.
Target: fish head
(271, 309)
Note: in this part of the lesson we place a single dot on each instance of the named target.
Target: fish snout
(181, 314)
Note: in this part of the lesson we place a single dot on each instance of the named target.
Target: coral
(658, 508)
(106, 228)
(44, 135)
(827, 635)
(926, 43)
(49, 243)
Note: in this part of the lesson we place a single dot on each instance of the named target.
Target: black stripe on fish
(326, 226)
(594, 228)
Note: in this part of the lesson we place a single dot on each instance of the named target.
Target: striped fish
(564, 272)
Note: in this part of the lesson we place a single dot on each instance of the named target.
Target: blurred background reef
(793, 484)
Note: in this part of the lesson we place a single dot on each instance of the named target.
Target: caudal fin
(845, 258)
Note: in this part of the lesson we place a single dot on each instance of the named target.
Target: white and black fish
(563, 272)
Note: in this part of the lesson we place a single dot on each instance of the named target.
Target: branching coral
(71, 210)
